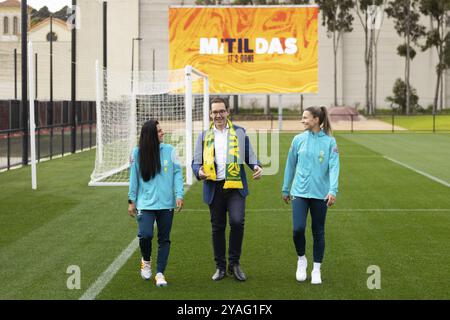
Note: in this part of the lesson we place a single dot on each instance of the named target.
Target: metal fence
(53, 130)
(353, 122)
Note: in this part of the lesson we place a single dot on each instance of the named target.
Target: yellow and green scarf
(233, 169)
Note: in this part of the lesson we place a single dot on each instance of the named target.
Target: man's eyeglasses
(221, 112)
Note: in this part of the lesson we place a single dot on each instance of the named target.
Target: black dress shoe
(219, 275)
(237, 272)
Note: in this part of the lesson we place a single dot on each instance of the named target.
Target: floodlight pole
(50, 120)
(15, 74)
(73, 129)
(24, 30)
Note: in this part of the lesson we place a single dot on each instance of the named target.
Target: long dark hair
(149, 162)
(321, 113)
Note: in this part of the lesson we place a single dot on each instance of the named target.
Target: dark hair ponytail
(324, 120)
(149, 161)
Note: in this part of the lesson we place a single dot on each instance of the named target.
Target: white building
(9, 20)
(10, 32)
(39, 34)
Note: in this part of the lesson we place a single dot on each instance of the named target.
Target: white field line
(288, 208)
(94, 290)
(429, 176)
(110, 272)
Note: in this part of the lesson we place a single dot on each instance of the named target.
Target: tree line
(338, 18)
(44, 13)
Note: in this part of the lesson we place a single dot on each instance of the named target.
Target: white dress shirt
(220, 148)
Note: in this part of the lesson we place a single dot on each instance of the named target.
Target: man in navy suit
(220, 199)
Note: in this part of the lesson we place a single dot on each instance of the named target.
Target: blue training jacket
(312, 166)
(160, 192)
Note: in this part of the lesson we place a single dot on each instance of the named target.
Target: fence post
(9, 115)
(434, 122)
(15, 75)
(392, 122)
(73, 126)
(81, 126)
(8, 150)
(91, 120)
(352, 122)
(36, 74)
(62, 140)
(50, 123)
(38, 144)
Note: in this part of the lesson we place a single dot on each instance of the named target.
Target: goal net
(178, 99)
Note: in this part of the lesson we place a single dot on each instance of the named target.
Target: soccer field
(393, 211)
(420, 123)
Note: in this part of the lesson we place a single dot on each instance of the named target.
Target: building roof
(12, 4)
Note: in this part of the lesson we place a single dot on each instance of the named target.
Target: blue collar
(318, 134)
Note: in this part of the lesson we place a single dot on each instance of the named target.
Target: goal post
(178, 99)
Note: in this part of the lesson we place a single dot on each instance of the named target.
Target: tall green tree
(406, 22)
(337, 18)
(437, 37)
(378, 22)
(366, 11)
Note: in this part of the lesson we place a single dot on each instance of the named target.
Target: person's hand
(330, 200)
(179, 204)
(286, 199)
(132, 210)
(257, 172)
(201, 173)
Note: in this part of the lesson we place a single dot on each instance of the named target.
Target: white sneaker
(301, 269)
(315, 277)
(146, 269)
(160, 280)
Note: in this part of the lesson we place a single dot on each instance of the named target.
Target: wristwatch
(130, 201)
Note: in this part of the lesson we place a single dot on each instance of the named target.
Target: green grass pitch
(386, 215)
(420, 123)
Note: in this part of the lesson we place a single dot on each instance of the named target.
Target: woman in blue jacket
(311, 182)
(156, 187)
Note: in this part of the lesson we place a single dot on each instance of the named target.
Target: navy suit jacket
(245, 148)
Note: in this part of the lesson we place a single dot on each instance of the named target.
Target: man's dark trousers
(232, 201)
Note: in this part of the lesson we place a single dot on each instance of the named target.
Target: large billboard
(264, 49)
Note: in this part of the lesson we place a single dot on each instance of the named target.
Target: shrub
(399, 96)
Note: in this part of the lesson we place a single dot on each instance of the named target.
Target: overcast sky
(53, 5)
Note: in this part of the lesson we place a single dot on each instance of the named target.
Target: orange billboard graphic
(248, 49)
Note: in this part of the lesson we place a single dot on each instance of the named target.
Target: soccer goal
(178, 99)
